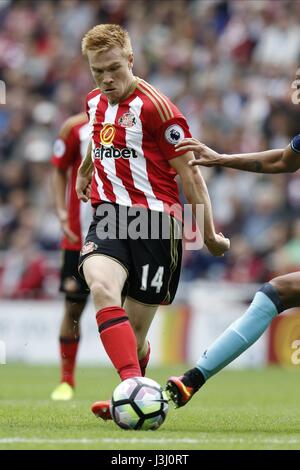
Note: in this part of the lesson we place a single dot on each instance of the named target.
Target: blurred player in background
(281, 293)
(69, 150)
(133, 163)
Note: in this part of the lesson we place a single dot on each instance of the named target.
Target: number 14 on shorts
(157, 280)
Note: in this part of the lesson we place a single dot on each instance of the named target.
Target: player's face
(112, 72)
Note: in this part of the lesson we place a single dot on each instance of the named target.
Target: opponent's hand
(219, 245)
(204, 155)
(83, 187)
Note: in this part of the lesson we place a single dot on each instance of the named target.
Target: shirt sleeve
(171, 133)
(295, 143)
(64, 148)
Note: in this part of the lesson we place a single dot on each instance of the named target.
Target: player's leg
(69, 342)
(154, 279)
(105, 263)
(274, 297)
(141, 316)
(76, 292)
(106, 277)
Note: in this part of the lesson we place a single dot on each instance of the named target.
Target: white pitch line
(202, 440)
(9, 440)
(22, 440)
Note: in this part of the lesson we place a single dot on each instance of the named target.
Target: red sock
(144, 361)
(68, 353)
(119, 341)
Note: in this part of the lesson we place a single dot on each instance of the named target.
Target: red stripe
(92, 94)
(164, 189)
(123, 170)
(158, 102)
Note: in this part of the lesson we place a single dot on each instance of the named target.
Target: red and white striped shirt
(68, 151)
(133, 142)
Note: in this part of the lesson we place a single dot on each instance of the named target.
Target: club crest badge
(127, 120)
(88, 247)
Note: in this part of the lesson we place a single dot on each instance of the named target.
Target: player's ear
(130, 61)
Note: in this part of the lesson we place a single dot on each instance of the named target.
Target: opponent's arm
(270, 161)
(196, 192)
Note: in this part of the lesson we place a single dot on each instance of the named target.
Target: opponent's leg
(267, 303)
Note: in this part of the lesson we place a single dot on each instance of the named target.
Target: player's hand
(204, 155)
(83, 187)
(71, 236)
(64, 223)
(219, 245)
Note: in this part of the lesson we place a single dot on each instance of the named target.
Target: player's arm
(270, 161)
(59, 186)
(196, 192)
(84, 176)
(64, 151)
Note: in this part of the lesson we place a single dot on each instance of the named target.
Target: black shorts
(71, 283)
(153, 263)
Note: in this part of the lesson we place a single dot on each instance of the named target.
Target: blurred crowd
(230, 66)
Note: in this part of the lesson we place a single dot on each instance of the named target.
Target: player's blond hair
(106, 36)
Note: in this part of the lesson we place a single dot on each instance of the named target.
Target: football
(139, 403)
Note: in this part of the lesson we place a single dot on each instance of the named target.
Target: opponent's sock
(193, 378)
(119, 341)
(68, 353)
(144, 361)
(242, 333)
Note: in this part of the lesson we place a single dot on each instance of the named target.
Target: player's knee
(288, 289)
(282, 285)
(70, 286)
(103, 292)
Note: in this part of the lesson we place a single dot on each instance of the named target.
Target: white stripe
(109, 164)
(99, 183)
(134, 140)
(86, 210)
(92, 105)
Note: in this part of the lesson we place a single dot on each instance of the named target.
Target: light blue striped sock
(239, 336)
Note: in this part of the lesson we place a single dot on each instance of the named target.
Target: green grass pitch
(254, 409)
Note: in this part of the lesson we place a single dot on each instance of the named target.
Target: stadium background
(231, 67)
